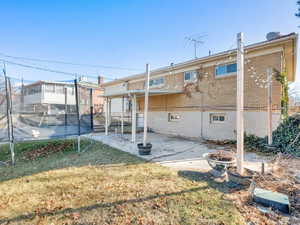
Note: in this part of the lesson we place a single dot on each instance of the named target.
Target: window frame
(226, 73)
(177, 115)
(192, 72)
(47, 88)
(157, 85)
(218, 115)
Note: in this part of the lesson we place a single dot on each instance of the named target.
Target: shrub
(286, 138)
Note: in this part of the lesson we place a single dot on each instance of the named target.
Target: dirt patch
(224, 145)
(280, 179)
(221, 156)
(47, 150)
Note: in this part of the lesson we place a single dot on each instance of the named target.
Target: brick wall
(211, 93)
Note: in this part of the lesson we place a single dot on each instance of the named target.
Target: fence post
(78, 113)
(92, 108)
(9, 118)
(66, 106)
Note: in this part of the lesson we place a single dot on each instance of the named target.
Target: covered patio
(132, 95)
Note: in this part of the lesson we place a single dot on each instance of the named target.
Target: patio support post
(269, 73)
(146, 104)
(240, 103)
(106, 116)
(122, 116)
(133, 125)
(109, 111)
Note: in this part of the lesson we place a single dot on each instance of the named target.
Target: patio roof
(139, 92)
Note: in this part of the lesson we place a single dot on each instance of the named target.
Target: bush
(286, 138)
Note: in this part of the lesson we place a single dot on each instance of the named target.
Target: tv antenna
(196, 40)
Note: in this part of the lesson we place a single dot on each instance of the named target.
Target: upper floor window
(190, 76)
(59, 89)
(50, 88)
(157, 82)
(32, 90)
(226, 69)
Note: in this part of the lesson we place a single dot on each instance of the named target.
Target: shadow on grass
(30, 216)
(221, 186)
(98, 154)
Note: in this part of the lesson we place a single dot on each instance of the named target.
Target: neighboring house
(53, 97)
(197, 98)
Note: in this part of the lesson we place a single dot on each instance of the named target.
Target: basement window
(173, 117)
(190, 76)
(217, 118)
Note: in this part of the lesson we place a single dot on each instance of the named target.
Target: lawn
(106, 186)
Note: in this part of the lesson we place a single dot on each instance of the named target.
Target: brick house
(197, 98)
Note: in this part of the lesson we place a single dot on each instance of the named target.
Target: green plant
(284, 100)
(286, 138)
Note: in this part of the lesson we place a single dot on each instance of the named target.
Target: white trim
(225, 75)
(214, 63)
(171, 73)
(263, 44)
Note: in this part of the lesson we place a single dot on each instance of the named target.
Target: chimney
(100, 80)
(272, 35)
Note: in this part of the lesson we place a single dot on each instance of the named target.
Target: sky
(129, 34)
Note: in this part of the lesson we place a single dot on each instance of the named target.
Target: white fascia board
(214, 63)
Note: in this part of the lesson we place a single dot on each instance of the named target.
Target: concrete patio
(173, 152)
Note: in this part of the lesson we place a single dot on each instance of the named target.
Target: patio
(173, 152)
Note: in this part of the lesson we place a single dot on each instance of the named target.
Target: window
(32, 90)
(217, 118)
(190, 76)
(59, 89)
(226, 69)
(70, 90)
(173, 117)
(157, 82)
(49, 88)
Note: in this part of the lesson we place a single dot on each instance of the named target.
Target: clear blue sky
(131, 33)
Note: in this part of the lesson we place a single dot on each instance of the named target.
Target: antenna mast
(196, 40)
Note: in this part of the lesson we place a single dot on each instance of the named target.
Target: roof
(71, 83)
(139, 92)
(262, 44)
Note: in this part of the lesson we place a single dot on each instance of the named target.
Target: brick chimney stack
(100, 80)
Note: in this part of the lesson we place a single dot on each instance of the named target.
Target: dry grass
(106, 186)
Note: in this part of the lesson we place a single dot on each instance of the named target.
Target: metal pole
(270, 138)
(109, 112)
(78, 113)
(122, 116)
(66, 106)
(106, 116)
(146, 104)
(9, 118)
(240, 104)
(92, 109)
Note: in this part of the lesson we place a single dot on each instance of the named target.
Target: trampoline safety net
(45, 110)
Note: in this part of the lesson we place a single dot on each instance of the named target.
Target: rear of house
(198, 97)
